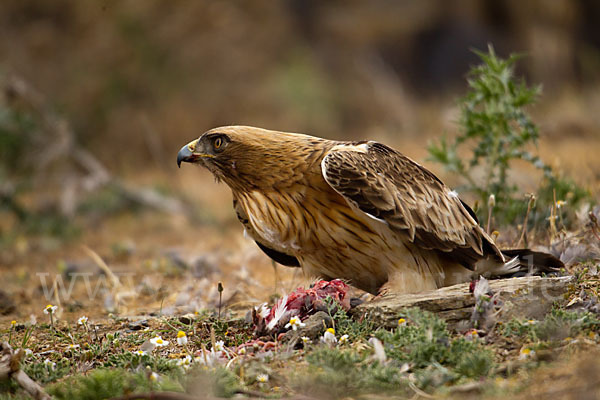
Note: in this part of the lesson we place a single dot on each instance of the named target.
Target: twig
(213, 340)
(523, 237)
(553, 230)
(102, 265)
(420, 392)
(491, 205)
(594, 222)
(10, 368)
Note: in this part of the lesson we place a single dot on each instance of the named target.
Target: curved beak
(184, 155)
(188, 153)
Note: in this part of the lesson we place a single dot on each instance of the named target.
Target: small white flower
(219, 345)
(28, 353)
(401, 322)
(329, 336)
(158, 341)
(154, 377)
(570, 340)
(530, 322)
(82, 320)
(50, 309)
(140, 353)
(262, 378)
(526, 353)
(182, 338)
(295, 323)
(305, 339)
(343, 339)
(73, 346)
(49, 364)
(560, 204)
(242, 351)
(185, 362)
(208, 358)
(492, 201)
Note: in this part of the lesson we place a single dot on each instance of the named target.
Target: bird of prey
(358, 211)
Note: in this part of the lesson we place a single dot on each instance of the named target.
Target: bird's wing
(392, 188)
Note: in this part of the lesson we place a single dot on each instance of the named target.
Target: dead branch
(80, 171)
(10, 369)
(526, 297)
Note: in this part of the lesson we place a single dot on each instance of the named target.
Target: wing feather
(391, 187)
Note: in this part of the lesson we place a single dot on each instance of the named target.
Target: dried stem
(220, 289)
(523, 237)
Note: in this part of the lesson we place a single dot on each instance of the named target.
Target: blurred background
(98, 97)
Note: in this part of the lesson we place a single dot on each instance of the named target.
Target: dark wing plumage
(394, 189)
(279, 257)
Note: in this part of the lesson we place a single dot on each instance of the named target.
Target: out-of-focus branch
(10, 369)
(81, 172)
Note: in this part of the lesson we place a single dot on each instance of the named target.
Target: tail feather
(493, 268)
(533, 262)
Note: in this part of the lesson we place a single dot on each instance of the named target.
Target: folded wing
(392, 188)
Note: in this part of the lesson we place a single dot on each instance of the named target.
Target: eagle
(357, 211)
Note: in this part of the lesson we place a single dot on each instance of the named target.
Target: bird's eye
(218, 143)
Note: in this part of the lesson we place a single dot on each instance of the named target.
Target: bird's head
(247, 158)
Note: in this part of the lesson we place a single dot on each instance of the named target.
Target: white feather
(280, 310)
(262, 310)
(375, 218)
(511, 266)
(481, 288)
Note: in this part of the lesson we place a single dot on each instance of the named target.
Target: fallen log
(528, 297)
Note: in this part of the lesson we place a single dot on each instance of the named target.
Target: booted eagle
(359, 211)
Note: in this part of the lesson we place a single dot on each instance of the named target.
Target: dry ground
(169, 265)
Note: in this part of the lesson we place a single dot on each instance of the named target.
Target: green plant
(48, 371)
(556, 326)
(220, 381)
(425, 342)
(335, 373)
(107, 383)
(424, 345)
(345, 325)
(494, 122)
